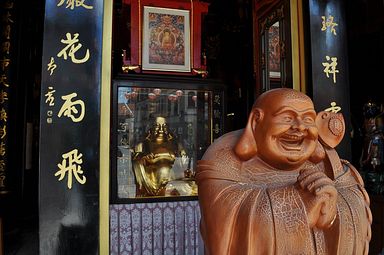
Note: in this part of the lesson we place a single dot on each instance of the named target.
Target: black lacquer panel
(7, 39)
(69, 117)
(329, 62)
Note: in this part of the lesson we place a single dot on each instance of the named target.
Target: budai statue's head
(284, 130)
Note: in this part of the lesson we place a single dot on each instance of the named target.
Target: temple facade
(107, 106)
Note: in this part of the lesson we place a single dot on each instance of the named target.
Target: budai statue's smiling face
(285, 130)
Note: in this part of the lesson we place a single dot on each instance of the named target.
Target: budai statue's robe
(250, 208)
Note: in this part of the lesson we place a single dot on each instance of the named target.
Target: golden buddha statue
(154, 161)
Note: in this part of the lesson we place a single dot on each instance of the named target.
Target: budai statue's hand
(319, 195)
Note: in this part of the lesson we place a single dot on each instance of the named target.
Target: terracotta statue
(279, 187)
(154, 161)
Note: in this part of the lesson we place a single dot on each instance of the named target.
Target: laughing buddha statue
(155, 160)
(279, 187)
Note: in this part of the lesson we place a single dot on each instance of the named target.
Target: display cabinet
(161, 127)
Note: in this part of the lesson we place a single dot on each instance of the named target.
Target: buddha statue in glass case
(157, 160)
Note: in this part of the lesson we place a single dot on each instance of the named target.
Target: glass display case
(161, 127)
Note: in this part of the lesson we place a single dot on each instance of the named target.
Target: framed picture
(274, 51)
(166, 40)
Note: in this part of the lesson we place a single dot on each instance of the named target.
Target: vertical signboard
(7, 25)
(329, 62)
(70, 124)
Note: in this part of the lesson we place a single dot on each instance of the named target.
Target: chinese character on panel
(217, 129)
(3, 132)
(71, 167)
(8, 5)
(328, 23)
(4, 63)
(7, 18)
(217, 99)
(2, 165)
(74, 3)
(50, 99)
(3, 115)
(7, 32)
(69, 108)
(72, 47)
(2, 179)
(5, 47)
(3, 80)
(3, 96)
(330, 67)
(51, 66)
(2, 149)
(334, 108)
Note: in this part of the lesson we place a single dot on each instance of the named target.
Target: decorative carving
(331, 128)
(336, 125)
(126, 66)
(274, 16)
(202, 72)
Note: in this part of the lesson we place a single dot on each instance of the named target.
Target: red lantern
(179, 93)
(151, 96)
(172, 97)
(206, 96)
(157, 91)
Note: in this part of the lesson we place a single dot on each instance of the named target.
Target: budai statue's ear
(331, 128)
(245, 147)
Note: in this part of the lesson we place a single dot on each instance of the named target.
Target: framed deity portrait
(166, 39)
